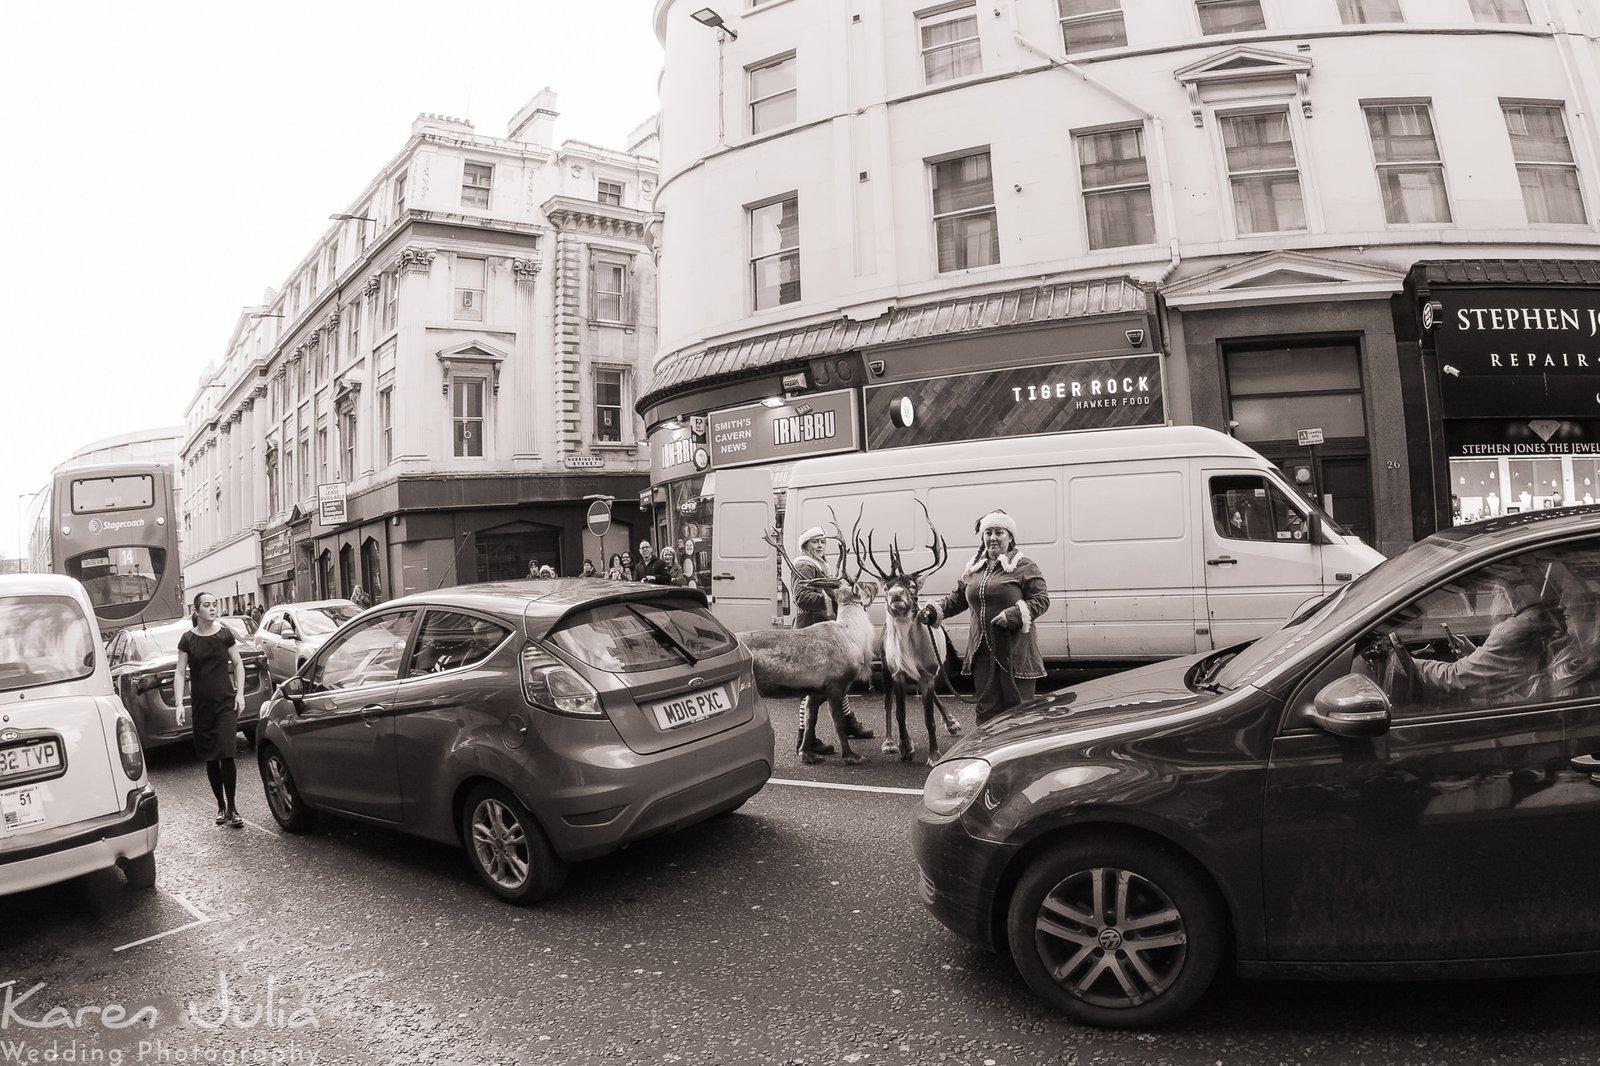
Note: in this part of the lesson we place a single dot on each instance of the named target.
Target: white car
(74, 797)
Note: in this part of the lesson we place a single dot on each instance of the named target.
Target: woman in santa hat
(815, 604)
(1005, 592)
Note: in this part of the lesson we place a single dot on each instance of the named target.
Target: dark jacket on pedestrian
(1005, 596)
(655, 571)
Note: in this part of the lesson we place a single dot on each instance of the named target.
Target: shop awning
(692, 368)
(1509, 271)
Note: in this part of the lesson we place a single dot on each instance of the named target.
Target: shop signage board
(1517, 351)
(1105, 393)
(676, 450)
(810, 424)
(275, 551)
(331, 504)
(1488, 438)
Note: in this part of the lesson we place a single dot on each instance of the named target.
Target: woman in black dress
(209, 660)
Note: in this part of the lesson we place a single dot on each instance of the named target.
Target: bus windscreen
(99, 494)
(119, 577)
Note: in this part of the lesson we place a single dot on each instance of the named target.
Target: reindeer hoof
(909, 755)
(933, 758)
(954, 727)
(890, 748)
(811, 758)
(851, 759)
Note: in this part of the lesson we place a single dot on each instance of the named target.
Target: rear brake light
(154, 679)
(129, 748)
(554, 686)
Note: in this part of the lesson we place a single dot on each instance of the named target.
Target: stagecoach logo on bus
(97, 527)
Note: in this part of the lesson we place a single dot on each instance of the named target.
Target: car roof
(1529, 525)
(542, 602)
(39, 585)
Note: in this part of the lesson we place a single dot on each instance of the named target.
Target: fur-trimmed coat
(812, 604)
(1004, 596)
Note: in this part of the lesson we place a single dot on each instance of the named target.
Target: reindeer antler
(941, 550)
(869, 557)
(772, 537)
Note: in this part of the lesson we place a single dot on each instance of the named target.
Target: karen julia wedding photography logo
(34, 1030)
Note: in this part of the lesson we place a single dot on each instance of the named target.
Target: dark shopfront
(1501, 378)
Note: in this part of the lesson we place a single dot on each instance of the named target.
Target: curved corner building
(887, 224)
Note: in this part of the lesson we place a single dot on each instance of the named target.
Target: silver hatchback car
(534, 723)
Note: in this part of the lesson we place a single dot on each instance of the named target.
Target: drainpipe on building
(1159, 130)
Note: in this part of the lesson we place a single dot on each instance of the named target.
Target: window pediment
(1243, 64)
(1284, 277)
(474, 358)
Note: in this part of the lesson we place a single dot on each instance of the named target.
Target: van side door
(1260, 562)
(744, 570)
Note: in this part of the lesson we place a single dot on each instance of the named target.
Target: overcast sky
(166, 161)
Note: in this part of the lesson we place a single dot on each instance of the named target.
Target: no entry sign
(599, 519)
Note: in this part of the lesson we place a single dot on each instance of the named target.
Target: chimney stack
(536, 122)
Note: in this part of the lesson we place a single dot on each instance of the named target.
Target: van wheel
(283, 798)
(141, 872)
(507, 848)
(1115, 933)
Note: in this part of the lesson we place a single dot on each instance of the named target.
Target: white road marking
(259, 829)
(200, 919)
(846, 788)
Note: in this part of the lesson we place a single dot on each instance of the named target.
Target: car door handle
(1221, 560)
(1343, 577)
(1589, 764)
(370, 711)
(722, 577)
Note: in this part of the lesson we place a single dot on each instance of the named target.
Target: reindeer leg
(930, 700)
(908, 750)
(889, 685)
(810, 747)
(836, 708)
(950, 723)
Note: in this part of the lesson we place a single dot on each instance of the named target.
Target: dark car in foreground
(534, 723)
(143, 659)
(1401, 782)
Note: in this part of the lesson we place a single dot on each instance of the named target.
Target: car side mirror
(294, 689)
(1314, 529)
(1351, 706)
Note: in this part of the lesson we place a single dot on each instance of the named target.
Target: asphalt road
(788, 932)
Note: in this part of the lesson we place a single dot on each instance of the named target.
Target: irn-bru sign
(810, 424)
(678, 450)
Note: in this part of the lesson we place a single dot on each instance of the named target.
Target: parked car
(244, 627)
(1400, 782)
(144, 658)
(74, 797)
(533, 723)
(290, 632)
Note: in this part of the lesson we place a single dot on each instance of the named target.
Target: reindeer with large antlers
(823, 660)
(913, 653)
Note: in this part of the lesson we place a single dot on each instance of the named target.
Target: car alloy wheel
(283, 798)
(1115, 932)
(508, 849)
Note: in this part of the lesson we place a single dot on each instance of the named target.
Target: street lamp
(22, 526)
(707, 17)
(265, 314)
(340, 216)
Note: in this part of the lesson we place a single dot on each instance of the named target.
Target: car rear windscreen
(624, 637)
(43, 640)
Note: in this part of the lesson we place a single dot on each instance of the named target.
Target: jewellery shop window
(689, 503)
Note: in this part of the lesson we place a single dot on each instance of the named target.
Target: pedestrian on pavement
(614, 571)
(546, 573)
(650, 568)
(358, 596)
(813, 604)
(588, 569)
(627, 568)
(211, 669)
(669, 559)
(533, 568)
(1006, 592)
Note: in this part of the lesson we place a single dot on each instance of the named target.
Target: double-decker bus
(112, 527)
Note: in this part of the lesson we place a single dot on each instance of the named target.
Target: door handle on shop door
(1221, 560)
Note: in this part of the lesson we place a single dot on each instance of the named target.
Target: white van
(1156, 542)
(74, 797)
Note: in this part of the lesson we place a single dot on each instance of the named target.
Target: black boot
(821, 747)
(854, 729)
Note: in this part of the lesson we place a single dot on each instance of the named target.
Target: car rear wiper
(664, 635)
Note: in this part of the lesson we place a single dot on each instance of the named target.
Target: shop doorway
(347, 570)
(505, 551)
